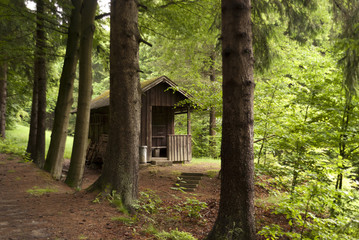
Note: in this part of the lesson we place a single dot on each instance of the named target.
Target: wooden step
(192, 174)
(161, 162)
(186, 185)
(188, 181)
(187, 178)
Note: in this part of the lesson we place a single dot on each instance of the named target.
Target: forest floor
(34, 206)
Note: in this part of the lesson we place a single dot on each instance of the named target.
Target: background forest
(306, 107)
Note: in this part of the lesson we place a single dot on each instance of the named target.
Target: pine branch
(98, 17)
(141, 40)
(265, 138)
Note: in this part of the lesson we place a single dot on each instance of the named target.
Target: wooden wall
(152, 102)
(155, 97)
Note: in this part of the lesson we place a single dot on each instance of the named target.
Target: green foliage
(149, 202)
(315, 209)
(114, 199)
(192, 207)
(174, 235)
(17, 138)
(200, 133)
(150, 229)
(11, 147)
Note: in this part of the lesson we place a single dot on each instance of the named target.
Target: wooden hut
(160, 103)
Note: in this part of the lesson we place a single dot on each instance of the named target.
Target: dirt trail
(63, 214)
(67, 214)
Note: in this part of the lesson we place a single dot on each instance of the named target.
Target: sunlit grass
(206, 160)
(36, 191)
(19, 136)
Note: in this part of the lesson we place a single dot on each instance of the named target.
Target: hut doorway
(162, 126)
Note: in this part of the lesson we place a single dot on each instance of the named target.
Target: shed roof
(104, 99)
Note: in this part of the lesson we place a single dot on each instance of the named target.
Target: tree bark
(40, 66)
(235, 218)
(36, 143)
(212, 113)
(3, 93)
(55, 154)
(31, 144)
(121, 164)
(78, 157)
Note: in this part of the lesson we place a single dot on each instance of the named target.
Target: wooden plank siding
(98, 125)
(162, 96)
(157, 100)
(157, 119)
(179, 148)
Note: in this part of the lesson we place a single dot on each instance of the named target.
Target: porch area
(177, 149)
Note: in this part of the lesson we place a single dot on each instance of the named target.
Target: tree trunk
(121, 164)
(55, 155)
(235, 218)
(3, 91)
(212, 114)
(36, 144)
(78, 157)
(31, 144)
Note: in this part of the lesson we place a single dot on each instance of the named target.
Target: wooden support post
(188, 121)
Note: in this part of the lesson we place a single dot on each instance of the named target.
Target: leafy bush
(11, 147)
(316, 210)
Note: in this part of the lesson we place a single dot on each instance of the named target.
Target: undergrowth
(313, 206)
(149, 209)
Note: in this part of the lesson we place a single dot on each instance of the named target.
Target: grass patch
(18, 136)
(36, 191)
(206, 160)
(212, 173)
(125, 220)
(271, 200)
(11, 171)
(173, 235)
(176, 173)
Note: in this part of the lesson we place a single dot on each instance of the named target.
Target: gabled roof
(104, 99)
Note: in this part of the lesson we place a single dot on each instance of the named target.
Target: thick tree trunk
(31, 144)
(40, 67)
(36, 143)
(74, 177)
(3, 93)
(121, 164)
(55, 155)
(236, 211)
